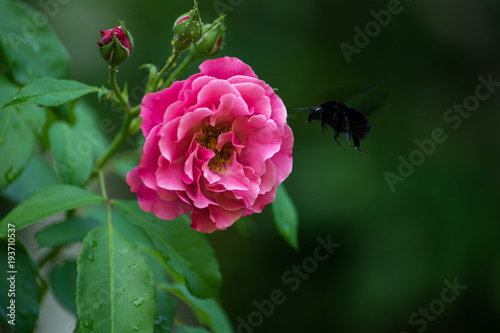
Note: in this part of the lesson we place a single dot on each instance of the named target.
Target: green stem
(136, 110)
(188, 61)
(51, 255)
(105, 195)
(112, 81)
(103, 186)
(170, 63)
(124, 131)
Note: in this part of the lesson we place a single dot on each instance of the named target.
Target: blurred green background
(397, 247)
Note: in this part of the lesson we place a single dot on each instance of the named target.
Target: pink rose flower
(217, 145)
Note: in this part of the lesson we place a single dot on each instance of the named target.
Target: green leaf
(38, 174)
(30, 48)
(7, 88)
(286, 217)
(186, 251)
(19, 131)
(72, 153)
(133, 233)
(190, 329)
(208, 311)
(166, 306)
(26, 288)
(116, 289)
(46, 202)
(72, 230)
(63, 283)
(165, 312)
(50, 92)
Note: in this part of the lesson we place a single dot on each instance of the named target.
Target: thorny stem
(170, 63)
(132, 113)
(124, 131)
(188, 61)
(112, 81)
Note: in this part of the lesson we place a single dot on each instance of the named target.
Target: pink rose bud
(187, 29)
(116, 45)
(211, 40)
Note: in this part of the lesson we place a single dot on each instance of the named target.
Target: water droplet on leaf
(138, 302)
(90, 257)
(162, 322)
(165, 256)
(88, 323)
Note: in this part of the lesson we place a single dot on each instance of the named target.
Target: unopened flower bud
(187, 29)
(211, 40)
(116, 45)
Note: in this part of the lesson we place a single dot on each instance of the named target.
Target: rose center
(208, 139)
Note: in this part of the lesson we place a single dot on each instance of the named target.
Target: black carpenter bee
(342, 119)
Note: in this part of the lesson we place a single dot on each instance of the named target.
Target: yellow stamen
(208, 139)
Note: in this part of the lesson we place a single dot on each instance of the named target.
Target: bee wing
(358, 123)
(369, 99)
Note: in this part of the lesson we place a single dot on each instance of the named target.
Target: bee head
(314, 113)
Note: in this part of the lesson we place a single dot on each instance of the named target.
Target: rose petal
(279, 113)
(254, 96)
(169, 175)
(283, 159)
(210, 95)
(169, 210)
(149, 160)
(224, 218)
(230, 108)
(200, 220)
(249, 196)
(146, 196)
(224, 68)
(154, 105)
(261, 139)
(191, 122)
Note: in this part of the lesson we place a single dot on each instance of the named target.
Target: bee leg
(336, 138)
(348, 136)
(356, 144)
(347, 128)
(323, 126)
